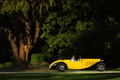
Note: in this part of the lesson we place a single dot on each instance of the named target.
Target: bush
(1, 65)
(44, 64)
(37, 58)
(8, 64)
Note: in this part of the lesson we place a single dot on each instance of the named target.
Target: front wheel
(100, 67)
(61, 67)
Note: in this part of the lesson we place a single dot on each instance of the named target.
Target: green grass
(60, 76)
(118, 69)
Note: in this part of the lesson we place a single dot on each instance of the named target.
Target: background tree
(87, 28)
(22, 22)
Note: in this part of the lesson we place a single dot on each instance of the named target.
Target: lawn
(54, 76)
(60, 76)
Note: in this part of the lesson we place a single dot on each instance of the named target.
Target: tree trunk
(22, 60)
(22, 40)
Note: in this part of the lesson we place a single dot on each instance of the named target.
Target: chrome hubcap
(61, 67)
(101, 67)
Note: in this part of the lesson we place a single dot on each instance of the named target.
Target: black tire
(100, 67)
(61, 67)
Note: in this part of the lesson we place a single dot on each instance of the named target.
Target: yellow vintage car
(62, 65)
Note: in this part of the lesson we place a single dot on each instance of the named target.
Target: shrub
(8, 63)
(44, 64)
(5, 64)
(1, 65)
(35, 63)
(37, 58)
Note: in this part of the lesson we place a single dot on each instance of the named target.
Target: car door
(76, 65)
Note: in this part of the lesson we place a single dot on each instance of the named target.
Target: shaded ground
(36, 69)
(44, 69)
(46, 74)
(18, 71)
(59, 76)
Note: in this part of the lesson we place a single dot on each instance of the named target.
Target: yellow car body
(81, 64)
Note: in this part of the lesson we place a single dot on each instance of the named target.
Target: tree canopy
(22, 22)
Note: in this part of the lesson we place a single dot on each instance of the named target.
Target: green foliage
(45, 64)
(37, 58)
(62, 54)
(61, 29)
(5, 64)
(2, 65)
(16, 13)
(57, 31)
(88, 28)
(24, 6)
(83, 31)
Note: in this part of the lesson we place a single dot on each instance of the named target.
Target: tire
(100, 67)
(61, 67)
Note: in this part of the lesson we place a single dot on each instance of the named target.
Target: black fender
(99, 63)
(55, 65)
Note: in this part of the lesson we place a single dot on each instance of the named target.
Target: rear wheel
(61, 67)
(100, 67)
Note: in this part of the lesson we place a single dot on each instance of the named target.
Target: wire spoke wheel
(100, 67)
(61, 67)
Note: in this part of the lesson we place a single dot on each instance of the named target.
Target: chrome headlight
(101, 60)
